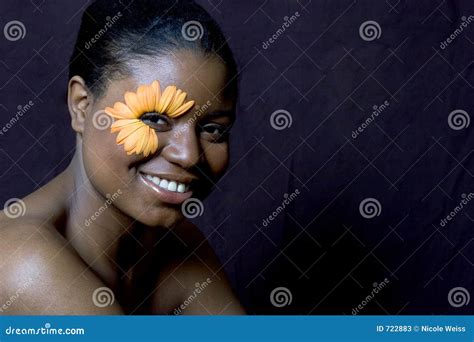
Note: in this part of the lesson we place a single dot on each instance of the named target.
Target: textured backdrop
(354, 116)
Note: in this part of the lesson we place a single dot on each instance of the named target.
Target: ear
(79, 99)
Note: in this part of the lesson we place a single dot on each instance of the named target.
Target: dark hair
(113, 33)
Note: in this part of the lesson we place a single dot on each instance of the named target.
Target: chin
(163, 216)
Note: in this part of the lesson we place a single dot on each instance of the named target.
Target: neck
(95, 227)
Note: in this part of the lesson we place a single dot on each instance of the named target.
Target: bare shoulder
(194, 279)
(41, 274)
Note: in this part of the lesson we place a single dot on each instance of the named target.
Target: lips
(170, 189)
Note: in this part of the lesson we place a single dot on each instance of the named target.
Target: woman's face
(192, 149)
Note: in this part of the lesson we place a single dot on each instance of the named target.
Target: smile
(168, 184)
(167, 190)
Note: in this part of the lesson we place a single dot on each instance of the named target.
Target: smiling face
(192, 149)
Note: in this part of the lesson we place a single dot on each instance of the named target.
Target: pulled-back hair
(115, 32)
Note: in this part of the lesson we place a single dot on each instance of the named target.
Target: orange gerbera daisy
(136, 136)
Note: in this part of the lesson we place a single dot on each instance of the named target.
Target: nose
(183, 148)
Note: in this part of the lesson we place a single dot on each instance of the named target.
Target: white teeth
(164, 184)
(168, 184)
(172, 186)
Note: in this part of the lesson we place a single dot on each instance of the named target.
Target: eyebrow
(230, 113)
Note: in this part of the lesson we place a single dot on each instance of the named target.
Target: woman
(152, 96)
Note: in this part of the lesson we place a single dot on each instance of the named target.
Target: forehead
(202, 76)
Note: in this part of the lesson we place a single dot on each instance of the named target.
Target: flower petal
(155, 86)
(153, 147)
(132, 140)
(148, 143)
(135, 135)
(120, 111)
(166, 99)
(181, 110)
(120, 124)
(177, 101)
(142, 141)
(133, 102)
(146, 97)
(127, 131)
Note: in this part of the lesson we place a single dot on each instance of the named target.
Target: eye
(157, 121)
(215, 132)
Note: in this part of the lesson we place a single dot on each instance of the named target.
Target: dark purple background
(328, 78)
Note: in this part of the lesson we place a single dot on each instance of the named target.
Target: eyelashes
(159, 122)
(216, 133)
(213, 132)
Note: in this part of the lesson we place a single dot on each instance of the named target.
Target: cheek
(217, 157)
(105, 162)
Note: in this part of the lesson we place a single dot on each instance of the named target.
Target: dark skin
(140, 247)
